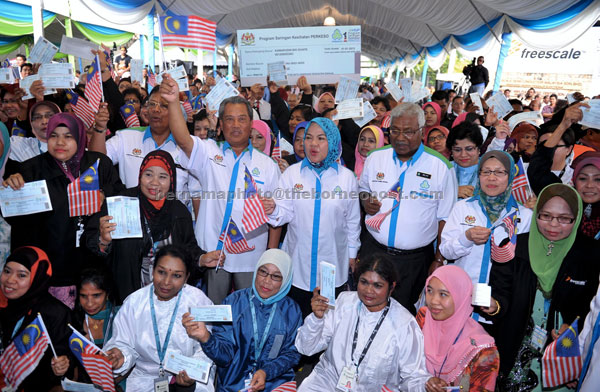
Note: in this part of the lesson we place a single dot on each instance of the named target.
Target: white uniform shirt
(133, 334)
(396, 357)
(592, 377)
(24, 148)
(338, 226)
(428, 194)
(129, 147)
(468, 213)
(213, 165)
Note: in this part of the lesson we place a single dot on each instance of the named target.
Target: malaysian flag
(84, 193)
(254, 215)
(286, 387)
(503, 254)
(187, 107)
(277, 148)
(151, 79)
(109, 65)
(561, 361)
(16, 130)
(6, 63)
(386, 122)
(520, 186)
(375, 221)
(129, 115)
(24, 353)
(93, 87)
(190, 31)
(97, 366)
(82, 108)
(235, 243)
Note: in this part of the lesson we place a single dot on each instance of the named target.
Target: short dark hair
(307, 111)
(27, 65)
(464, 130)
(236, 100)
(457, 97)
(178, 252)
(98, 277)
(439, 95)
(379, 263)
(201, 115)
(125, 80)
(383, 100)
(155, 90)
(133, 90)
(21, 55)
(515, 101)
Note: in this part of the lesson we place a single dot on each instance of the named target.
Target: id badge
(78, 236)
(538, 338)
(161, 384)
(247, 382)
(347, 380)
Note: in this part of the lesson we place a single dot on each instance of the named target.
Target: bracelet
(104, 69)
(103, 243)
(99, 130)
(497, 310)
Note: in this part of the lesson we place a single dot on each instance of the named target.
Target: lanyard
(230, 194)
(162, 350)
(17, 326)
(355, 340)
(314, 249)
(588, 358)
(258, 348)
(396, 211)
(446, 357)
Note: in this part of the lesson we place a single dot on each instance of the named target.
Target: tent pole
(201, 64)
(69, 33)
(215, 62)
(37, 18)
(485, 21)
(504, 48)
(230, 62)
(425, 69)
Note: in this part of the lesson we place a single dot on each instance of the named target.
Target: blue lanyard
(487, 255)
(258, 348)
(588, 358)
(446, 357)
(17, 326)
(396, 210)
(230, 194)
(162, 350)
(314, 249)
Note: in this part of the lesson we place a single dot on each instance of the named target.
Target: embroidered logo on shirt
(218, 158)
(470, 219)
(424, 175)
(298, 187)
(576, 282)
(424, 185)
(380, 176)
(337, 190)
(136, 151)
(255, 172)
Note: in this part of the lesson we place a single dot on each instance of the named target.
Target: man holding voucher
(221, 169)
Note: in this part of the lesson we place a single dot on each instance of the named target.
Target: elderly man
(416, 187)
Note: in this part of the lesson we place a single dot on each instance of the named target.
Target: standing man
(427, 193)
(479, 77)
(220, 169)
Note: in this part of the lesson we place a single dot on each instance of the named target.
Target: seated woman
(369, 339)
(56, 231)
(257, 350)
(458, 350)
(546, 287)
(369, 138)
(164, 219)
(147, 325)
(23, 294)
(464, 143)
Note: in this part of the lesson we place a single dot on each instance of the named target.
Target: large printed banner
(323, 54)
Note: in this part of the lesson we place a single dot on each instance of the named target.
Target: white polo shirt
(335, 237)
(213, 165)
(129, 147)
(24, 148)
(428, 194)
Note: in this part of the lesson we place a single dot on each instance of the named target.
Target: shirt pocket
(275, 344)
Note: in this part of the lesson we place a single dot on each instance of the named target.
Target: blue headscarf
(5, 151)
(298, 127)
(334, 141)
(281, 260)
(494, 205)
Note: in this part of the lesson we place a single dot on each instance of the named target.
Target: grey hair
(235, 100)
(408, 109)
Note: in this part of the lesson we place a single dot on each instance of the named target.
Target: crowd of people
(415, 210)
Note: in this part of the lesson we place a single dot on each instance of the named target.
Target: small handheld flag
(129, 115)
(520, 187)
(84, 193)
(561, 361)
(286, 387)
(254, 215)
(234, 241)
(93, 87)
(503, 254)
(97, 366)
(81, 107)
(277, 148)
(376, 221)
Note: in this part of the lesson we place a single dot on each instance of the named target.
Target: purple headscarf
(77, 130)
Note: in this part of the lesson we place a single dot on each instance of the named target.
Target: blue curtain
(19, 12)
(126, 4)
(555, 20)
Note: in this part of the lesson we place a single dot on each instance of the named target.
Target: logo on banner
(247, 39)
(337, 36)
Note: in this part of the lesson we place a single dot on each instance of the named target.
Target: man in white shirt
(220, 169)
(416, 218)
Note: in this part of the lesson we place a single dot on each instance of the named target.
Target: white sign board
(323, 54)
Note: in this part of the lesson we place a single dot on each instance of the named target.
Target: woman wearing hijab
(458, 350)
(5, 147)
(526, 136)
(477, 225)
(546, 287)
(369, 339)
(261, 136)
(164, 220)
(370, 138)
(435, 138)
(24, 148)
(464, 143)
(433, 116)
(148, 325)
(298, 142)
(55, 231)
(324, 227)
(256, 350)
(586, 180)
(23, 294)
(324, 102)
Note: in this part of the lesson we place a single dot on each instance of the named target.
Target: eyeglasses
(436, 138)
(157, 105)
(565, 220)
(458, 150)
(407, 134)
(274, 277)
(38, 117)
(132, 101)
(10, 101)
(497, 173)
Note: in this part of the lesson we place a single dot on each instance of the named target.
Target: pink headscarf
(438, 112)
(441, 129)
(359, 162)
(440, 336)
(265, 131)
(461, 118)
(316, 105)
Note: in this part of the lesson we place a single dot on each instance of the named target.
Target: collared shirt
(129, 147)
(24, 148)
(213, 165)
(428, 194)
(339, 223)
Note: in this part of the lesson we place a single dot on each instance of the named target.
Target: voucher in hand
(213, 313)
(328, 282)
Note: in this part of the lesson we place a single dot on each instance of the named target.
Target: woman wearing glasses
(256, 350)
(545, 288)
(479, 226)
(464, 143)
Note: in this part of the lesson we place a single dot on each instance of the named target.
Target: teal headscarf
(494, 205)
(281, 260)
(334, 141)
(6, 149)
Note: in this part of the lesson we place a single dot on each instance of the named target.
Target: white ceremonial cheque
(328, 282)
(78, 47)
(347, 89)
(125, 212)
(591, 115)
(26, 83)
(533, 118)
(74, 386)
(176, 73)
(323, 53)
(476, 99)
(394, 90)
(349, 108)
(213, 313)
(57, 75)
(482, 294)
(222, 90)
(43, 51)
(500, 104)
(277, 72)
(368, 115)
(7, 76)
(30, 199)
(136, 66)
(195, 368)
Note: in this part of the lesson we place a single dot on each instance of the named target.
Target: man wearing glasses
(415, 188)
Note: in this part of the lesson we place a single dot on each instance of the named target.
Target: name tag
(347, 380)
(538, 338)
(424, 175)
(161, 384)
